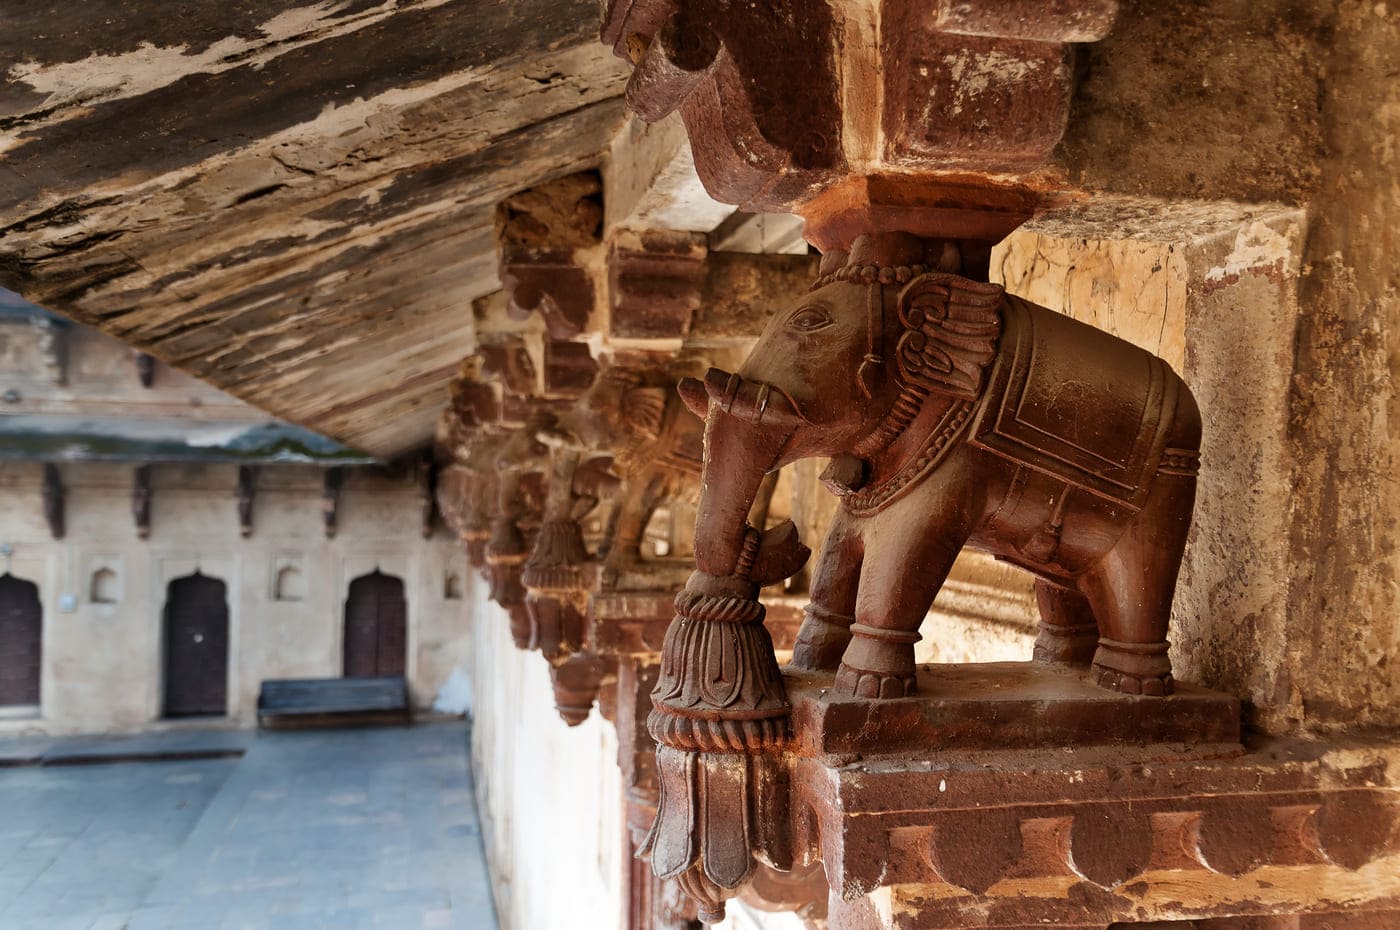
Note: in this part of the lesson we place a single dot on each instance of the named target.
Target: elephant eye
(808, 319)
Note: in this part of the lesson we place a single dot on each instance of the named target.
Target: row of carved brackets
(423, 471)
(54, 495)
(862, 117)
(651, 304)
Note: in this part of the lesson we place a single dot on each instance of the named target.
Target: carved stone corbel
(141, 500)
(507, 360)
(247, 482)
(953, 107)
(569, 368)
(467, 434)
(332, 481)
(53, 494)
(545, 235)
(519, 502)
(656, 445)
(555, 576)
(655, 279)
(577, 681)
(916, 187)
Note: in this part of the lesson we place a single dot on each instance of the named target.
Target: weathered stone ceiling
(290, 200)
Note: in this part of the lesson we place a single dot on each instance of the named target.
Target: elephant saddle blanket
(1077, 404)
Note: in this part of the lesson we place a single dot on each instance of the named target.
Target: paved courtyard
(335, 830)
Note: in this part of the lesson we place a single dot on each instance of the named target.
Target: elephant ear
(951, 327)
(643, 408)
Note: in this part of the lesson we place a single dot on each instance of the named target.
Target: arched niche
(104, 587)
(289, 585)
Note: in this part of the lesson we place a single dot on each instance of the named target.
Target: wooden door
(196, 647)
(21, 642)
(376, 626)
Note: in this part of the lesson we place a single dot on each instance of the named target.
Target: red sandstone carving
(657, 445)
(655, 278)
(959, 415)
(954, 415)
(509, 545)
(555, 575)
(541, 233)
(783, 101)
(576, 681)
(558, 577)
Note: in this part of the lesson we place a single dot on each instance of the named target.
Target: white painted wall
(550, 795)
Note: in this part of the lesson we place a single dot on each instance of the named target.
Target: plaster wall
(549, 795)
(102, 668)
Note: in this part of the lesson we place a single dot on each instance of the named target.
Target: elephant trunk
(720, 709)
(747, 427)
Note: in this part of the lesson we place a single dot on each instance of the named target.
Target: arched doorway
(21, 642)
(196, 647)
(376, 626)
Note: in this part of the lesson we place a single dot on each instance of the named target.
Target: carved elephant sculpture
(957, 415)
(657, 448)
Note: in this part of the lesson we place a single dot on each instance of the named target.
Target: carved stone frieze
(1119, 833)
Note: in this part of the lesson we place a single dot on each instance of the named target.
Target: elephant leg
(826, 625)
(897, 585)
(1068, 631)
(1131, 589)
(634, 511)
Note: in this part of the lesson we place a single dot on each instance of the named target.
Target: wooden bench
(328, 702)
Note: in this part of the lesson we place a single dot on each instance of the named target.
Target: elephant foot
(821, 641)
(855, 682)
(878, 663)
(1058, 644)
(1132, 668)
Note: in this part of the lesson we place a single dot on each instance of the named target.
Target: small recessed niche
(290, 584)
(452, 587)
(103, 588)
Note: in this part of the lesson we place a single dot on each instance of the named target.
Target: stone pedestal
(1008, 796)
(1001, 705)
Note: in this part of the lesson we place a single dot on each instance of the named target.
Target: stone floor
(333, 829)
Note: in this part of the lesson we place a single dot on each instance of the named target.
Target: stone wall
(102, 667)
(1295, 103)
(1213, 289)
